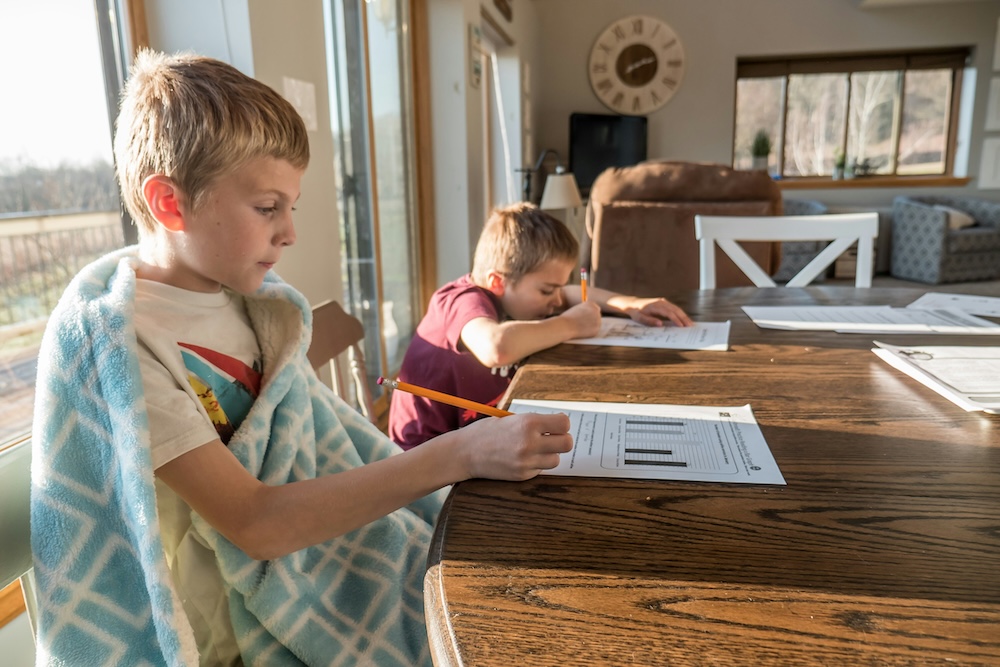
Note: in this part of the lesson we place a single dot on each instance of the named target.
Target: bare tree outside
(872, 129)
(815, 125)
(893, 122)
(926, 118)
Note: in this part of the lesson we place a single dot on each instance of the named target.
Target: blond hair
(517, 239)
(194, 119)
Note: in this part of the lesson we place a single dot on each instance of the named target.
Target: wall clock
(636, 65)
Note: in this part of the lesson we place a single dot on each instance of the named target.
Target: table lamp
(560, 191)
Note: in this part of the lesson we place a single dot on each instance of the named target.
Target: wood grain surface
(883, 548)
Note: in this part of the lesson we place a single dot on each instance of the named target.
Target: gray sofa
(925, 249)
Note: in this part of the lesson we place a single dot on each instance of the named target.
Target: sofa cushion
(973, 239)
(957, 219)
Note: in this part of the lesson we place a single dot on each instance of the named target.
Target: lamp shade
(560, 191)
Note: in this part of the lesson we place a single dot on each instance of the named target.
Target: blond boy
(199, 496)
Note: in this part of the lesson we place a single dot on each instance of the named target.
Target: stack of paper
(967, 376)
(987, 306)
(869, 319)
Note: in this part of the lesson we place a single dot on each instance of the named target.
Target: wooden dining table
(883, 547)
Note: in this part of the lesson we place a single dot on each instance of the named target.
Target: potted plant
(839, 162)
(760, 149)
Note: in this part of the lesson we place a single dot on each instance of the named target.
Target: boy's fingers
(671, 312)
(648, 320)
(557, 442)
(680, 319)
(553, 424)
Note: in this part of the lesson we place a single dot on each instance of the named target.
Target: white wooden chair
(336, 332)
(15, 513)
(843, 230)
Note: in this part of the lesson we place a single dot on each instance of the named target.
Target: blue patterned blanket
(105, 593)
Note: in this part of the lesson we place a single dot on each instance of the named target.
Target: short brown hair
(194, 119)
(517, 239)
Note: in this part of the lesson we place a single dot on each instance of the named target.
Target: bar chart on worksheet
(696, 443)
(663, 441)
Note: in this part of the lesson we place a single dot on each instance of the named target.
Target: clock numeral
(618, 32)
(676, 62)
(669, 44)
(636, 104)
(618, 99)
(669, 83)
(604, 47)
(604, 85)
(655, 97)
(656, 29)
(637, 27)
(599, 68)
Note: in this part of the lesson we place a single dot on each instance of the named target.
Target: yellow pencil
(445, 398)
(583, 283)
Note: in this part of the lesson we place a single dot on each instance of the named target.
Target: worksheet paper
(985, 306)
(968, 376)
(669, 442)
(629, 333)
(869, 319)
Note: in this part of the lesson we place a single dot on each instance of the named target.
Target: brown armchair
(640, 224)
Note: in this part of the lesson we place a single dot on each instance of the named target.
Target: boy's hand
(586, 319)
(652, 312)
(516, 448)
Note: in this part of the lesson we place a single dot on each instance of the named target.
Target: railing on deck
(39, 255)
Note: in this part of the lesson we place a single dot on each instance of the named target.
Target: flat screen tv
(598, 141)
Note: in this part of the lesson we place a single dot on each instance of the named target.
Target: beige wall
(271, 40)
(697, 123)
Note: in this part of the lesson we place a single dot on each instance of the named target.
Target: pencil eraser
(380, 380)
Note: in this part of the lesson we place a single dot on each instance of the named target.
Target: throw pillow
(957, 219)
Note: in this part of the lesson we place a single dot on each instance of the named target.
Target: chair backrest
(15, 513)
(335, 332)
(843, 230)
(640, 224)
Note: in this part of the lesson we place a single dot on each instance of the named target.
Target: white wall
(697, 123)
(457, 122)
(270, 41)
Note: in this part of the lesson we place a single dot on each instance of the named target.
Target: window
(59, 204)
(373, 120)
(884, 114)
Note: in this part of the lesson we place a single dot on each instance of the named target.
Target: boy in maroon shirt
(513, 304)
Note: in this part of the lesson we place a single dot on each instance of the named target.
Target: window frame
(954, 58)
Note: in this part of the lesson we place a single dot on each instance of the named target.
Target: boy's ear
(163, 201)
(496, 283)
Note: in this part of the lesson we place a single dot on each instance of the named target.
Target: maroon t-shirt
(437, 359)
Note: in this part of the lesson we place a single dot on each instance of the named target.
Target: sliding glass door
(372, 114)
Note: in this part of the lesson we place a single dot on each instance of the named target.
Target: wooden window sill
(826, 183)
(11, 603)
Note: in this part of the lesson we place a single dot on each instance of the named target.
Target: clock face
(636, 65)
